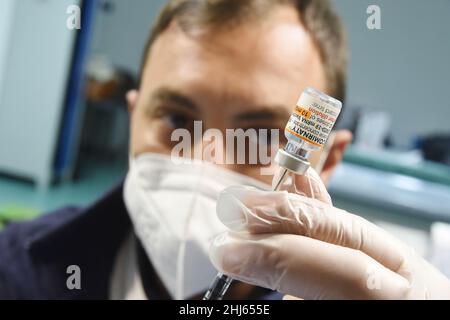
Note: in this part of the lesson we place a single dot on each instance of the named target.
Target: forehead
(269, 59)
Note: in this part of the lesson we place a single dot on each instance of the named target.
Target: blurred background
(64, 121)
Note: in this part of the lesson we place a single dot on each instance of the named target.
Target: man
(228, 63)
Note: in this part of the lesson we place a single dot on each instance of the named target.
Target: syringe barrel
(218, 288)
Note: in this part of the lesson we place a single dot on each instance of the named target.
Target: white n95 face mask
(172, 207)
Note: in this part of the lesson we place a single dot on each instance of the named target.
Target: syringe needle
(280, 180)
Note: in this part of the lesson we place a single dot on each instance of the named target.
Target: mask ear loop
(131, 159)
(179, 280)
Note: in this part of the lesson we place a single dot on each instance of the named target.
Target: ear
(341, 140)
(132, 97)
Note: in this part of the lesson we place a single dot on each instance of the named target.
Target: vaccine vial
(311, 122)
(307, 130)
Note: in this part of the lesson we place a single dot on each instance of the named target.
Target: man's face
(249, 76)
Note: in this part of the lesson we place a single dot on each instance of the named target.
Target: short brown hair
(318, 17)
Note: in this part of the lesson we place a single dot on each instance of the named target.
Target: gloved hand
(309, 249)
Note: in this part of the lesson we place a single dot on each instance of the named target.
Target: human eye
(173, 119)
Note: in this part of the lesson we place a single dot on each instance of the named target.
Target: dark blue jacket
(34, 255)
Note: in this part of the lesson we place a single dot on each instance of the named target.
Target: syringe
(307, 130)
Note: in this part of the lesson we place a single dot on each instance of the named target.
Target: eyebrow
(168, 95)
(261, 113)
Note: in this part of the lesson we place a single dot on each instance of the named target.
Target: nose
(244, 158)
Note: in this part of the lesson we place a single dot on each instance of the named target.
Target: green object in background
(16, 213)
(399, 162)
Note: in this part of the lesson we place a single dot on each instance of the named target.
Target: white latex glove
(309, 249)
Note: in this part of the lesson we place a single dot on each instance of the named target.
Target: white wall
(121, 34)
(6, 18)
(35, 76)
(403, 68)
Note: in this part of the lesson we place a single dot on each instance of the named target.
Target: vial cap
(292, 163)
(323, 97)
